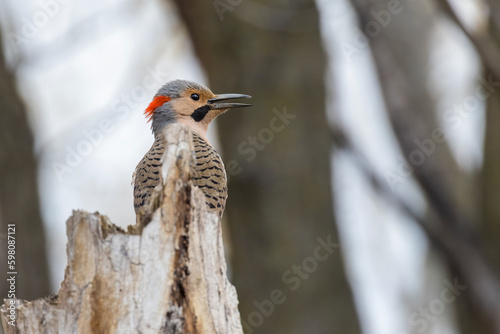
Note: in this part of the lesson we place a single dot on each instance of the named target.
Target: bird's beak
(213, 102)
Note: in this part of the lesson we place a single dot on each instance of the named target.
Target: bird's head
(189, 103)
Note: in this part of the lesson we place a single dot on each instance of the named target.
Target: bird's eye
(195, 97)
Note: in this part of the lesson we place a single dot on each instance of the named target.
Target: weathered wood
(170, 277)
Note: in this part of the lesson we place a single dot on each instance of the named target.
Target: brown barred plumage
(147, 176)
(208, 174)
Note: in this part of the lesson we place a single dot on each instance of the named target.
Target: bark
(280, 199)
(19, 202)
(170, 277)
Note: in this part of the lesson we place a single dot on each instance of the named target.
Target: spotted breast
(147, 176)
(209, 175)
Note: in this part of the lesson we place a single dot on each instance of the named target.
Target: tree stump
(167, 277)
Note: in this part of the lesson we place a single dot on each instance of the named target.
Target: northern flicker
(196, 107)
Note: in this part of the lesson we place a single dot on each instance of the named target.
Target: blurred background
(363, 183)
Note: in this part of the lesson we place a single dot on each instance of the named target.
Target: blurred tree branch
(402, 66)
(19, 202)
(453, 224)
(484, 42)
(490, 184)
(464, 257)
(494, 8)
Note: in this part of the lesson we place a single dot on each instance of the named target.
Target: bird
(195, 106)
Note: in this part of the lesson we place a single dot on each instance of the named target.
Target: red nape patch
(157, 102)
